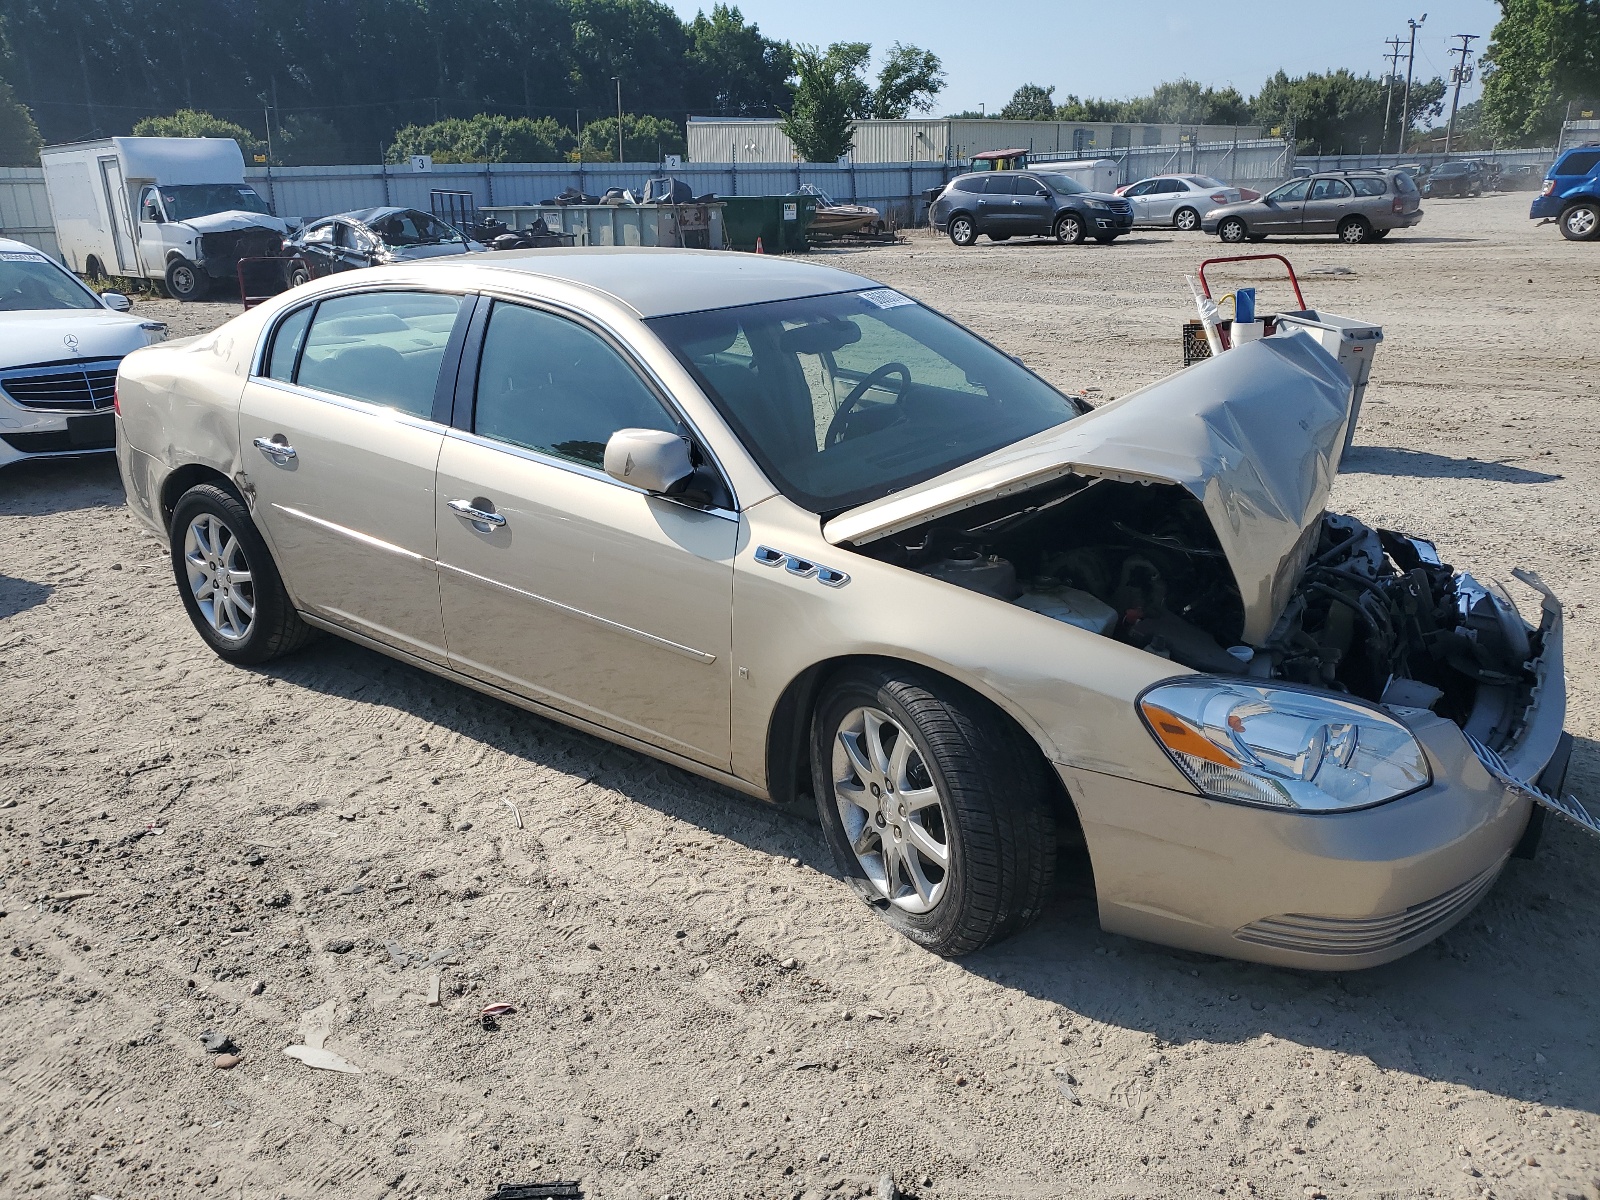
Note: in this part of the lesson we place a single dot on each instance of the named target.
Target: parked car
(794, 532)
(1463, 178)
(1007, 204)
(370, 237)
(60, 345)
(1177, 201)
(1358, 206)
(1571, 194)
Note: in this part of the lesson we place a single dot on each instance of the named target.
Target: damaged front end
(218, 254)
(1189, 520)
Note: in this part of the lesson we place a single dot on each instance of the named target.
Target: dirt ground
(702, 1008)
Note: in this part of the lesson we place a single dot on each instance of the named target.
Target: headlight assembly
(1101, 204)
(1283, 748)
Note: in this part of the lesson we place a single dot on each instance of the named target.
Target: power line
(1459, 74)
(1405, 103)
(1393, 58)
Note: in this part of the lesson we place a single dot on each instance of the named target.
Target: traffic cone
(759, 249)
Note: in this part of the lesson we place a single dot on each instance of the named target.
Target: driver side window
(1293, 191)
(150, 206)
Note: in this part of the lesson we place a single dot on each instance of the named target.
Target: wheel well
(789, 781)
(186, 477)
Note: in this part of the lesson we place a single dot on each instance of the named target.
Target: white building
(951, 139)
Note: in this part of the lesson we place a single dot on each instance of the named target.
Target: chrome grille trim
(1366, 935)
(85, 387)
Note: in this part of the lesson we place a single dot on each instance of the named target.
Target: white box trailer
(1096, 174)
(171, 210)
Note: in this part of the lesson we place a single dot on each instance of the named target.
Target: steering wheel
(841, 418)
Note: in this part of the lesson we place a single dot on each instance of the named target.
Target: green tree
(307, 141)
(644, 139)
(1334, 111)
(744, 73)
(829, 95)
(1541, 54)
(1030, 102)
(484, 138)
(19, 136)
(189, 122)
(908, 80)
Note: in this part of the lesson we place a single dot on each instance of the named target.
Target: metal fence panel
(25, 209)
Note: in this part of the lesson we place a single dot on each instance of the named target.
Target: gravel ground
(702, 1008)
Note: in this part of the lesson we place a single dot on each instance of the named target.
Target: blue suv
(1571, 195)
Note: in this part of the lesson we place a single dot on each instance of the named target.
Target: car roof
(659, 282)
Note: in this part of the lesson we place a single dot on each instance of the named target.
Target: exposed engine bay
(1373, 613)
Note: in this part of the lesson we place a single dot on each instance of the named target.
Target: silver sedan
(803, 536)
(1178, 201)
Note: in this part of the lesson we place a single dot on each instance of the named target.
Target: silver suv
(1358, 206)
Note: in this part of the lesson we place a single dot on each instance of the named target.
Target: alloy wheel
(219, 577)
(961, 232)
(1232, 230)
(893, 816)
(1186, 220)
(1581, 222)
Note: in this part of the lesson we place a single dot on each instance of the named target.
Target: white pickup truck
(171, 210)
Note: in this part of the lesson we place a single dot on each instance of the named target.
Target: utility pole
(618, 80)
(1393, 59)
(1461, 73)
(1405, 103)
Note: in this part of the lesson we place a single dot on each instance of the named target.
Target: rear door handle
(278, 452)
(465, 508)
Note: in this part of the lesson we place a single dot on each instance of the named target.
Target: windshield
(1063, 185)
(411, 227)
(183, 202)
(1453, 169)
(843, 399)
(31, 281)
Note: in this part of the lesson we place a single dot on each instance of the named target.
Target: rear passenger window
(381, 347)
(1000, 185)
(1579, 162)
(550, 384)
(286, 344)
(1369, 186)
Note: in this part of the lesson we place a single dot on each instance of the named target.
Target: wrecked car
(370, 237)
(797, 533)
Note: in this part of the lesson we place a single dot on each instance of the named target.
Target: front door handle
(278, 451)
(466, 508)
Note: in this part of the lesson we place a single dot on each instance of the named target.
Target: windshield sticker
(21, 256)
(885, 298)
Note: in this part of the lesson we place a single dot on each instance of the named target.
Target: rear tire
(1581, 222)
(1186, 220)
(185, 281)
(1232, 230)
(1068, 229)
(1353, 231)
(972, 790)
(229, 583)
(95, 270)
(963, 232)
(299, 274)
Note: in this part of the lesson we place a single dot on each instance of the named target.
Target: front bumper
(1332, 891)
(1545, 208)
(1109, 222)
(60, 410)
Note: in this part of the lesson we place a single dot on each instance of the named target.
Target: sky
(1121, 49)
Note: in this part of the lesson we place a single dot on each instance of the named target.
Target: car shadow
(19, 595)
(37, 486)
(1425, 464)
(1492, 1005)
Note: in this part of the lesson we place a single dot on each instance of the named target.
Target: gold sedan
(802, 535)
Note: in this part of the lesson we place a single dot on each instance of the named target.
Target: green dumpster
(781, 222)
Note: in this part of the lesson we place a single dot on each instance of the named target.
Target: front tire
(1068, 229)
(185, 281)
(1232, 230)
(1353, 231)
(229, 583)
(935, 806)
(1581, 222)
(1186, 220)
(963, 232)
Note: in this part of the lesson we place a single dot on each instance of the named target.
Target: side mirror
(650, 459)
(1044, 191)
(116, 301)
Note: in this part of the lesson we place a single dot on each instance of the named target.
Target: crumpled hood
(1255, 434)
(42, 336)
(236, 218)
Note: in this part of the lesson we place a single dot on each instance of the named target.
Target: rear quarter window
(1369, 187)
(1578, 162)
